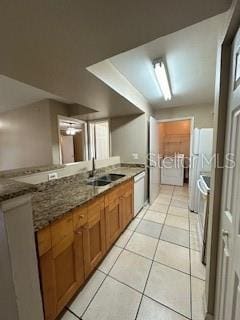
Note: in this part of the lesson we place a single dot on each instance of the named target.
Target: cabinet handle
(82, 216)
(78, 232)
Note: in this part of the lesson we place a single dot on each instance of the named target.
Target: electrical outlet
(52, 176)
(135, 156)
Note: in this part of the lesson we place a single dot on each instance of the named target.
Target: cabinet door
(67, 276)
(94, 236)
(48, 285)
(61, 265)
(114, 222)
(127, 204)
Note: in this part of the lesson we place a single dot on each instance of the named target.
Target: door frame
(220, 114)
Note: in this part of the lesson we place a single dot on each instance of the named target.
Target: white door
(154, 167)
(67, 149)
(228, 306)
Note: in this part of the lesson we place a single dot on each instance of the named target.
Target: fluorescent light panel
(161, 74)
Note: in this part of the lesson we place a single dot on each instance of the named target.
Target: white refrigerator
(200, 162)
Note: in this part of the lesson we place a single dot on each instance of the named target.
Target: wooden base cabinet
(61, 266)
(113, 216)
(94, 236)
(70, 249)
(127, 203)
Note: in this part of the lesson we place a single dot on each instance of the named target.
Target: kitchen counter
(52, 201)
(8, 174)
(11, 189)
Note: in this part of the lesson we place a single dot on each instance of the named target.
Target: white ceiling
(49, 44)
(190, 55)
(14, 94)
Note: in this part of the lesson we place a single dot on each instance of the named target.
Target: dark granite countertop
(52, 201)
(11, 189)
(7, 174)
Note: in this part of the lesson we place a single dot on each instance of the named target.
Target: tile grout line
(73, 313)
(106, 275)
(167, 307)
(83, 313)
(152, 260)
(150, 269)
(191, 304)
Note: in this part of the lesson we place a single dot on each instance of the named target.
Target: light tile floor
(153, 272)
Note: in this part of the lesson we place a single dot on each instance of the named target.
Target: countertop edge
(101, 192)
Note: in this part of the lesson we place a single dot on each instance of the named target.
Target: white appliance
(202, 141)
(172, 170)
(139, 192)
(203, 184)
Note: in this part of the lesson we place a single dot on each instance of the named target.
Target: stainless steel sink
(111, 177)
(105, 180)
(98, 183)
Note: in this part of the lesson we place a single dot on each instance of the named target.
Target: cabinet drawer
(80, 217)
(62, 229)
(44, 240)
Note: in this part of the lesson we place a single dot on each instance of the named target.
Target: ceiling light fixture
(161, 75)
(70, 131)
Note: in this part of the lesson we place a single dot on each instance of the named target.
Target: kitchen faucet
(93, 171)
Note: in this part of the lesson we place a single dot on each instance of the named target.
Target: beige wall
(25, 138)
(203, 114)
(129, 136)
(29, 135)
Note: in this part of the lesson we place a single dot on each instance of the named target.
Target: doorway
(175, 150)
(72, 140)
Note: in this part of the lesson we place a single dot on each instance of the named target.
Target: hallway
(154, 270)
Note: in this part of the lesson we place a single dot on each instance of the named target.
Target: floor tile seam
(94, 295)
(172, 268)
(128, 239)
(177, 227)
(175, 215)
(140, 255)
(167, 307)
(191, 265)
(153, 221)
(149, 272)
(179, 207)
(145, 233)
(191, 295)
(157, 262)
(198, 278)
(73, 313)
(125, 284)
(114, 262)
(150, 269)
(180, 245)
(154, 210)
(195, 250)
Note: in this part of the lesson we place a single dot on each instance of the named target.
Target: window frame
(92, 150)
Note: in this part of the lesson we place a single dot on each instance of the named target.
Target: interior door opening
(174, 149)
